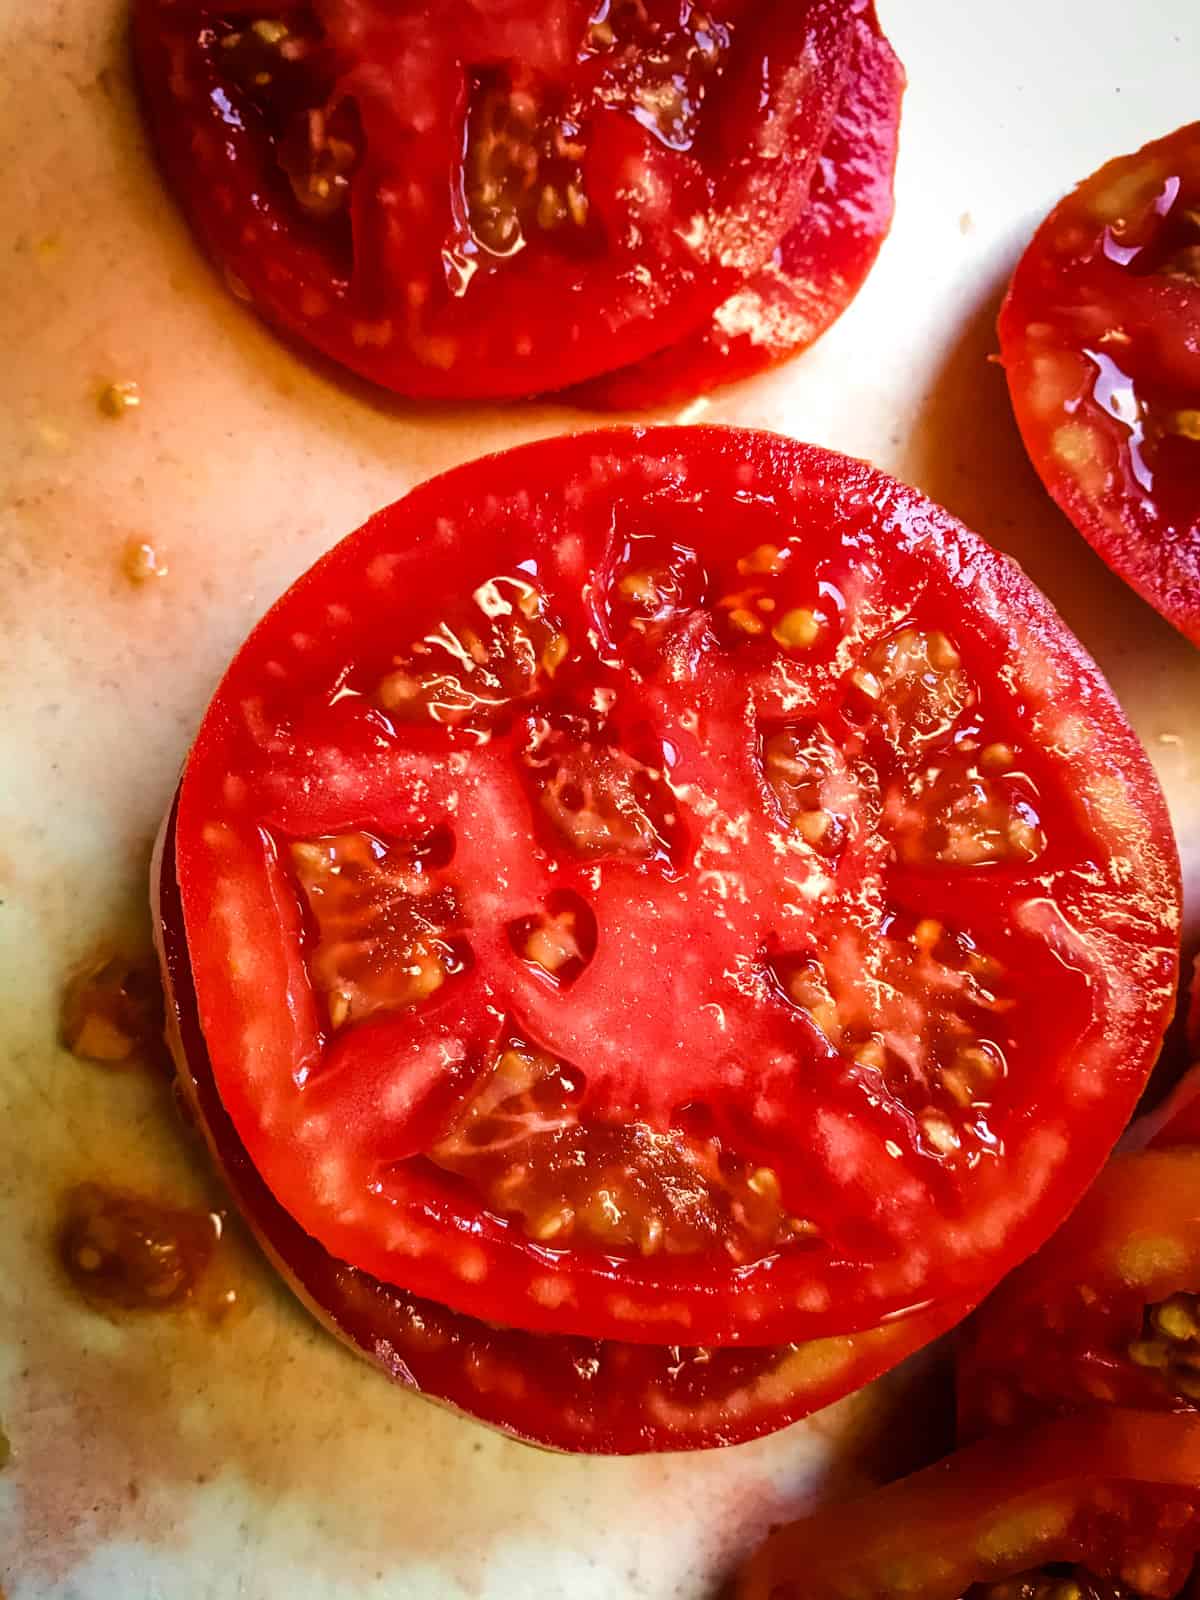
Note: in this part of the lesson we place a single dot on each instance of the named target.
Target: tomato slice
(1105, 1507)
(1107, 1312)
(817, 269)
(465, 200)
(566, 1393)
(1100, 337)
(809, 800)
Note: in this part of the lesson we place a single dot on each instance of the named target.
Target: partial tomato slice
(631, 975)
(1100, 336)
(490, 200)
(1177, 1120)
(817, 269)
(1105, 1507)
(563, 1392)
(1106, 1313)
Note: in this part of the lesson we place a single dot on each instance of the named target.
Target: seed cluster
(911, 1007)
(523, 167)
(124, 1250)
(521, 1143)
(660, 68)
(471, 669)
(317, 138)
(384, 923)
(1170, 1344)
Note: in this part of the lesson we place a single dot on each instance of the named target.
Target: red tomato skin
(668, 1304)
(818, 268)
(1133, 491)
(1116, 1492)
(579, 1396)
(1055, 1336)
(539, 322)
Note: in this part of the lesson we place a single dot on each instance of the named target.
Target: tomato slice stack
(620, 887)
(496, 200)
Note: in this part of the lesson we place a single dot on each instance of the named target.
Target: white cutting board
(161, 1457)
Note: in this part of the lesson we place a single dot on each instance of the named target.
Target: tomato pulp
(1105, 1507)
(490, 200)
(622, 882)
(1100, 337)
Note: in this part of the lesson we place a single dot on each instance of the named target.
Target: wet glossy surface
(1101, 342)
(164, 1458)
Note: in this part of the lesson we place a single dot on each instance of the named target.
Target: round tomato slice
(1100, 337)
(566, 1393)
(818, 268)
(1107, 1312)
(1105, 1507)
(623, 880)
(490, 200)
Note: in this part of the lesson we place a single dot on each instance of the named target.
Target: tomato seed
(747, 621)
(764, 558)
(797, 630)
(1169, 1343)
(116, 400)
(997, 757)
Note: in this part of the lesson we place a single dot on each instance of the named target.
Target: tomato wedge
(1100, 338)
(1107, 1312)
(490, 200)
(623, 880)
(816, 270)
(565, 1393)
(1105, 1507)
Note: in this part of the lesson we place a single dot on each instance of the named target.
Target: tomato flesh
(816, 270)
(489, 201)
(1100, 337)
(1097, 1508)
(1106, 1313)
(566, 1393)
(740, 702)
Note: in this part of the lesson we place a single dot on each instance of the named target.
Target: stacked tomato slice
(504, 199)
(611, 906)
